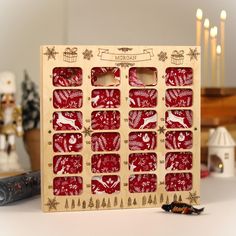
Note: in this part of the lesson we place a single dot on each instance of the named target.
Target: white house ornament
(120, 126)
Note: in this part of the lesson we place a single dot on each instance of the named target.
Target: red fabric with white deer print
(105, 98)
(67, 98)
(105, 142)
(179, 161)
(108, 184)
(142, 162)
(66, 186)
(178, 181)
(67, 76)
(67, 120)
(134, 79)
(105, 163)
(179, 97)
(105, 120)
(179, 139)
(142, 183)
(96, 72)
(179, 119)
(142, 119)
(179, 76)
(142, 140)
(67, 164)
(67, 142)
(142, 98)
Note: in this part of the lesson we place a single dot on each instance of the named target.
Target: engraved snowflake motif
(51, 53)
(88, 54)
(52, 204)
(193, 54)
(193, 197)
(162, 56)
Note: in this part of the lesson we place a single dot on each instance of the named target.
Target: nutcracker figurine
(10, 123)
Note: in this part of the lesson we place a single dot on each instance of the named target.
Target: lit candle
(218, 65)
(222, 41)
(205, 52)
(213, 34)
(198, 26)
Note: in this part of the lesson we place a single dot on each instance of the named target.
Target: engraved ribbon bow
(71, 51)
(178, 54)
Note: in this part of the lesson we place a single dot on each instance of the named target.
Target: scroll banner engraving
(105, 55)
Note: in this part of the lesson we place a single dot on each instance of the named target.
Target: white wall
(157, 22)
(24, 26)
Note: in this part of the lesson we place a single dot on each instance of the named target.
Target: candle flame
(206, 23)
(218, 49)
(199, 14)
(223, 15)
(213, 32)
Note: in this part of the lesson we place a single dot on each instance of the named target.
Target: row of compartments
(110, 98)
(111, 163)
(110, 76)
(110, 120)
(111, 141)
(111, 184)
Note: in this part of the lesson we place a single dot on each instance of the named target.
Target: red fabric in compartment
(178, 181)
(142, 119)
(105, 120)
(179, 139)
(67, 164)
(135, 81)
(142, 140)
(67, 76)
(105, 142)
(105, 98)
(109, 184)
(99, 71)
(142, 98)
(67, 142)
(179, 97)
(67, 98)
(67, 120)
(142, 162)
(142, 183)
(105, 163)
(179, 161)
(179, 76)
(179, 119)
(64, 186)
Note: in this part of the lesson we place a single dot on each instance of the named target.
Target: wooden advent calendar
(120, 126)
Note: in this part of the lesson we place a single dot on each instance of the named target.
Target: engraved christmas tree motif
(73, 204)
(155, 200)
(161, 198)
(66, 204)
(180, 198)
(121, 203)
(91, 204)
(78, 203)
(175, 198)
(97, 204)
(84, 205)
(115, 201)
(144, 200)
(104, 203)
(135, 202)
(108, 203)
(150, 199)
(129, 201)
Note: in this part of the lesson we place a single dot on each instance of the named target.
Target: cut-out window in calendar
(120, 126)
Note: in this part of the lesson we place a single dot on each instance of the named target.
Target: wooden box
(120, 126)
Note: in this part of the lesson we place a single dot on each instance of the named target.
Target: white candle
(218, 65)
(222, 42)
(213, 34)
(205, 52)
(198, 26)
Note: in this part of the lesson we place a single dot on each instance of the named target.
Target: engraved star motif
(161, 130)
(193, 197)
(87, 131)
(193, 53)
(51, 53)
(52, 204)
